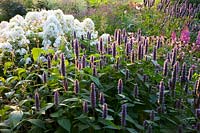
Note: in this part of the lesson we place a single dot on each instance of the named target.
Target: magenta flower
(185, 35)
(173, 36)
(198, 39)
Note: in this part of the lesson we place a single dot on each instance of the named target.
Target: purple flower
(174, 53)
(154, 53)
(65, 84)
(93, 95)
(101, 47)
(85, 107)
(62, 65)
(183, 73)
(83, 60)
(37, 101)
(185, 35)
(152, 115)
(119, 37)
(127, 74)
(165, 68)
(161, 93)
(190, 74)
(44, 77)
(55, 57)
(94, 71)
(120, 86)
(132, 56)
(123, 115)
(198, 113)
(49, 62)
(114, 53)
(198, 39)
(146, 46)
(140, 52)
(105, 111)
(92, 61)
(76, 48)
(56, 98)
(76, 86)
(101, 98)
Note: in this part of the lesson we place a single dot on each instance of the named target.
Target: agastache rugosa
(37, 101)
(93, 95)
(120, 86)
(123, 115)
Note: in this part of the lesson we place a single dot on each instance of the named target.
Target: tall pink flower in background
(173, 36)
(185, 35)
(198, 39)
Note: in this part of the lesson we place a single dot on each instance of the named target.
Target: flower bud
(165, 68)
(83, 60)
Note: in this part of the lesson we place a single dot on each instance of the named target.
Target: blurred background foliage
(107, 15)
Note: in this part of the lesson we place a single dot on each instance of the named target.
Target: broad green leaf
(65, 123)
(131, 130)
(15, 117)
(96, 81)
(37, 122)
(36, 52)
(7, 65)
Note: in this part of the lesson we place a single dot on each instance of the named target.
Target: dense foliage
(57, 74)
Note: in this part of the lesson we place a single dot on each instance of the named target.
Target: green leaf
(82, 127)
(37, 122)
(15, 117)
(5, 131)
(96, 81)
(7, 65)
(131, 130)
(36, 52)
(65, 123)
(128, 118)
